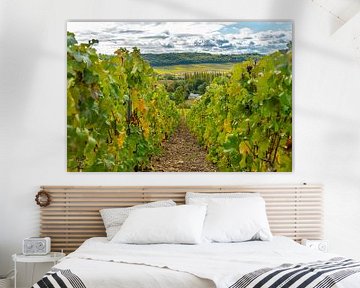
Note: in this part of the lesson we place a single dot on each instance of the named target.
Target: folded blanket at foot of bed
(59, 278)
(319, 274)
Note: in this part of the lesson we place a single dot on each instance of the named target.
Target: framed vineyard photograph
(178, 96)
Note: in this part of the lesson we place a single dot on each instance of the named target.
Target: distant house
(193, 96)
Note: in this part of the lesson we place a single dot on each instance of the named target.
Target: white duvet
(100, 263)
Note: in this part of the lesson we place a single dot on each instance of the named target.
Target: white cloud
(160, 37)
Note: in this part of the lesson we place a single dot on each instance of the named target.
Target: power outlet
(320, 245)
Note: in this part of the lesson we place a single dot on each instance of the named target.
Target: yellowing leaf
(227, 125)
(141, 106)
(135, 103)
(145, 127)
(278, 158)
(71, 106)
(121, 139)
(244, 149)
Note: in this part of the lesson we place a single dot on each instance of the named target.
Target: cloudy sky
(161, 37)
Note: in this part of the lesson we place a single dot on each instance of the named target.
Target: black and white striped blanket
(57, 278)
(320, 274)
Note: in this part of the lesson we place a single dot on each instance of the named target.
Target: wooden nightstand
(53, 257)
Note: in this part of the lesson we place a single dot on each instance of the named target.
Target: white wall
(33, 122)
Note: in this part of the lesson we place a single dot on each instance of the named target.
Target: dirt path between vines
(182, 153)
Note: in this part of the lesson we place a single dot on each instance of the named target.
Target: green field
(179, 69)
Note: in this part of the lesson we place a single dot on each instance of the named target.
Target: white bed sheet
(100, 263)
(101, 274)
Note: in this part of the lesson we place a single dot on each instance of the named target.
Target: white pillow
(204, 198)
(113, 218)
(180, 224)
(236, 220)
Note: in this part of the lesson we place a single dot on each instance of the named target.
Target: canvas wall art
(179, 96)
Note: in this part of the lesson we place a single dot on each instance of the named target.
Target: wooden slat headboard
(73, 215)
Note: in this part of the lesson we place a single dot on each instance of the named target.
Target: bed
(99, 263)
(294, 211)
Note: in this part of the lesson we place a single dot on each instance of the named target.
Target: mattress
(99, 263)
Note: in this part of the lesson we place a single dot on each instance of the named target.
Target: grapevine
(245, 119)
(118, 114)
